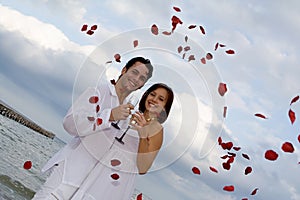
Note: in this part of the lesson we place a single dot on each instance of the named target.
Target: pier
(12, 114)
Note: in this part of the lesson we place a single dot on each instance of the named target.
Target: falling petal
(196, 170)
(135, 43)
(108, 62)
(139, 196)
(244, 198)
(260, 115)
(27, 165)
(226, 165)
(295, 99)
(271, 155)
(254, 191)
(292, 116)
(230, 51)
(213, 169)
(115, 162)
(224, 111)
(192, 26)
(229, 188)
(183, 56)
(90, 32)
(222, 89)
(91, 119)
(219, 140)
(248, 170)
(94, 99)
(202, 30)
(246, 156)
(237, 148)
(117, 57)
(94, 27)
(166, 33)
(177, 9)
(175, 21)
(179, 49)
(227, 145)
(216, 46)
(287, 147)
(203, 60)
(97, 108)
(224, 157)
(209, 56)
(191, 57)
(94, 127)
(299, 138)
(186, 38)
(222, 45)
(99, 121)
(115, 176)
(154, 29)
(187, 48)
(84, 27)
(231, 159)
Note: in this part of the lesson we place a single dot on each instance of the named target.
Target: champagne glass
(120, 139)
(133, 100)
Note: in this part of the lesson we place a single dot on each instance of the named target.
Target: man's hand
(121, 112)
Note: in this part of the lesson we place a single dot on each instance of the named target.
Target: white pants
(53, 188)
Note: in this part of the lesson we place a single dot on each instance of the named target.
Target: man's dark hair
(142, 60)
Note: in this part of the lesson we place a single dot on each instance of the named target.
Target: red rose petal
(191, 57)
(213, 169)
(177, 9)
(227, 145)
(224, 111)
(186, 38)
(196, 170)
(203, 60)
(226, 165)
(154, 29)
(27, 165)
(231, 159)
(175, 21)
(97, 108)
(90, 32)
(192, 26)
(244, 198)
(166, 33)
(139, 196)
(222, 45)
(229, 188)
(222, 89)
(183, 56)
(254, 191)
(115, 176)
(117, 57)
(84, 27)
(248, 170)
(246, 156)
(115, 162)
(94, 127)
(294, 99)
(230, 51)
(91, 119)
(93, 99)
(237, 148)
(292, 116)
(219, 140)
(94, 27)
(287, 147)
(260, 115)
(216, 46)
(99, 121)
(202, 30)
(187, 48)
(209, 56)
(299, 138)
(271, 155)
(135, 43)
(179, 49)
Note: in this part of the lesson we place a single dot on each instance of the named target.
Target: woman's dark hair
(165, 113)
(142, 60)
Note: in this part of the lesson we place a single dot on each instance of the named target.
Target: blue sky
(43, 51)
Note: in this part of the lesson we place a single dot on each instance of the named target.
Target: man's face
(135, 77)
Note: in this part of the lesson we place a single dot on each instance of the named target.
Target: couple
(94, 165)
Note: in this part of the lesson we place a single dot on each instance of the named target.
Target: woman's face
(156, 100)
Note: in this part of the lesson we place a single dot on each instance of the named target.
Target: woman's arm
(147, 151)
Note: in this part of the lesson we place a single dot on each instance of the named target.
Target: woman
(114, 176)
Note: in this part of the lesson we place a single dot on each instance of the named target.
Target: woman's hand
(140, 124)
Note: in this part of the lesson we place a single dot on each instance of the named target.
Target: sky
(46, 60)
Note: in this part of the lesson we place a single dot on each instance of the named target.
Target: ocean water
(19, 144)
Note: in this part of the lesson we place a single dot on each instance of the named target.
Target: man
(89, 120)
